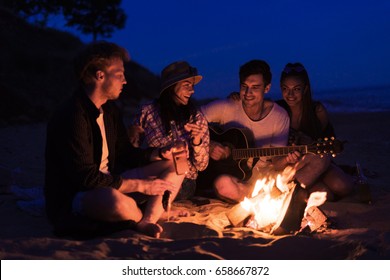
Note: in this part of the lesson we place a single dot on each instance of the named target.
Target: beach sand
(355, 231)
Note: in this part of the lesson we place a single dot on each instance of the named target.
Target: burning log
(289, 219)
(277, 205)
(314, 219)
(292, 213)
(238, 215)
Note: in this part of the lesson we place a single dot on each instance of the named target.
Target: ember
(278, 205)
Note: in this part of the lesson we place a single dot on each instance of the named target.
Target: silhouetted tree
(36, 11)
(98, 17)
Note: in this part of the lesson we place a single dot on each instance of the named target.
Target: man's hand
(218, 151)
(234, 96)
(155, 187)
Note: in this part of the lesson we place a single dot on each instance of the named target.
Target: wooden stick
(237, 215)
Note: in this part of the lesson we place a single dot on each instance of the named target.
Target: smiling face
(293, 90)
(252, 90)
(183, 91)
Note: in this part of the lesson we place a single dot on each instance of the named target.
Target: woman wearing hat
(174, 104)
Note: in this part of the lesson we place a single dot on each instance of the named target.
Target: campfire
(279, 205)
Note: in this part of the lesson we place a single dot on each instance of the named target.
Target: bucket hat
(176, 72)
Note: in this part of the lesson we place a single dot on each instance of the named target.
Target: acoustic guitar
(240, 142)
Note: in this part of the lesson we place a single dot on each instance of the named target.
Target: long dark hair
(310, 124)
(169, 110)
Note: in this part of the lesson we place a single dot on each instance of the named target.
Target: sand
(355, 230)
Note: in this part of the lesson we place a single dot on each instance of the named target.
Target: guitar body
(235, 138)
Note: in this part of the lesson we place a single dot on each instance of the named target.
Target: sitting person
(92, 170)
(266, 121)
(152, 124)
(309, 121)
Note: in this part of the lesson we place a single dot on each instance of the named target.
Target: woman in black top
(309, 121)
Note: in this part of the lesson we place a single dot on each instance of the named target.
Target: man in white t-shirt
(95, 180)
(267, 122)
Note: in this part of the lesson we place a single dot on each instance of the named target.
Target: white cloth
(271, 131)
(104, 162)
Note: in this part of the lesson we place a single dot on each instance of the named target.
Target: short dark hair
(97, 56)
(255, 67)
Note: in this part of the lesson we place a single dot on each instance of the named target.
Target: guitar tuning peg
(326, 138)
(332, 138)
(333, 155)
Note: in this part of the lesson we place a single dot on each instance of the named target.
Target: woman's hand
(195, 131)
(135, 134)
(293, 157)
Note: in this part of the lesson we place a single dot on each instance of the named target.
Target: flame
(267, 198)
(270, 198)
(315, 199)
(246, 204)
(267, 210)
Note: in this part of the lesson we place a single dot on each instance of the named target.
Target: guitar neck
(263, 152)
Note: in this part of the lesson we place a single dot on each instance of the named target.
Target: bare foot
(151, 229)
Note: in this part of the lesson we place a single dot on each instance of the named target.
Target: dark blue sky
(343, 44)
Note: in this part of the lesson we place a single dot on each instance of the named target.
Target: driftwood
(238, 215)
(313, 219)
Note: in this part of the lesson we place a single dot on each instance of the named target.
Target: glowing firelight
(267, 198)
(270, 199)
(315, 199)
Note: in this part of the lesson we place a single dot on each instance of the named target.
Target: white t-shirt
(270, 131)
(104, 162)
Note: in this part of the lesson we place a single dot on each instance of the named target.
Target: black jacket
(74, 149)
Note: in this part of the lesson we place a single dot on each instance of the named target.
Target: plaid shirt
(155, 136)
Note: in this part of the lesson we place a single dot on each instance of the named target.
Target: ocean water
(364, 99)
(357, 100)
(374, 99)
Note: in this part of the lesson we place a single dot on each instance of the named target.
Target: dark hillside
(36, 71)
